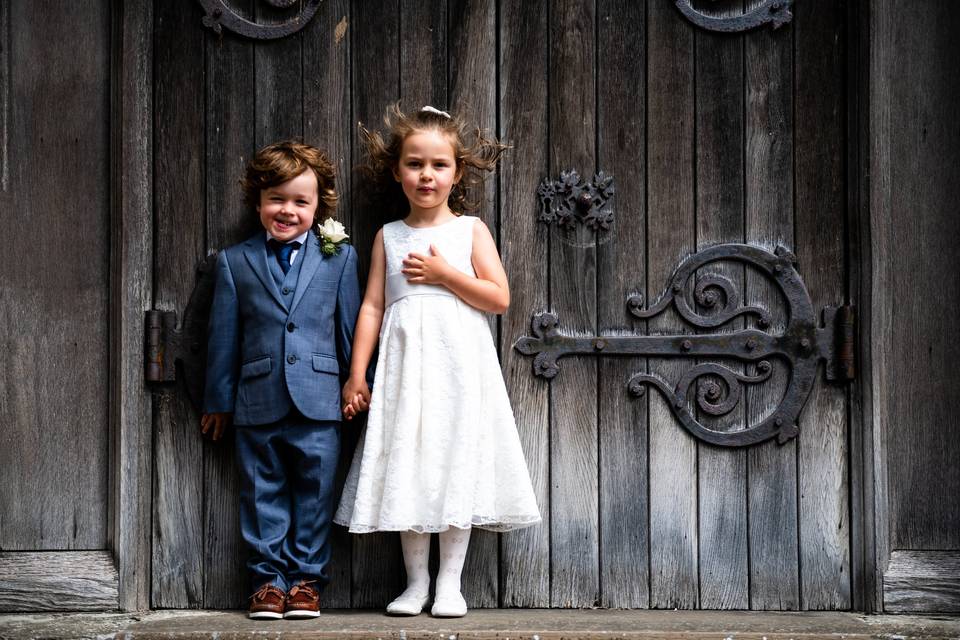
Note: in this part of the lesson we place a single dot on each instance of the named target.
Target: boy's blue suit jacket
(263, 355)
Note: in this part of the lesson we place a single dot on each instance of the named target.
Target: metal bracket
(220, 16)
(166, 344)
(773, 12)
(801, 345)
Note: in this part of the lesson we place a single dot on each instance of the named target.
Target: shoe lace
(261, 593)
(304, 586)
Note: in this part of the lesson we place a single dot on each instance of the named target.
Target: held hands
(216, 423)
(356, 397)
(431, 269)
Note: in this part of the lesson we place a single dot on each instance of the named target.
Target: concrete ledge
(485, 624)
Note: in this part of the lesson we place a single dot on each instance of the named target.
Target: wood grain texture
(472, 86)
(58, 581)
(774, 570)
(819, 156)
(377, 562)
(131, 261)
(525, 554)
(721, 472)
(922, 581)
(177, 550)
(230, 143)
(327, 125)
(574, 498)
(621, 271)
(54, 276)
(423, 54)
(671, 236)
(923, 281)
(6, 74)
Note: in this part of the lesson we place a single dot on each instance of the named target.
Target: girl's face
(287, 210)
(427, 169)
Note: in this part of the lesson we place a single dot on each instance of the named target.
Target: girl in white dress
(440, 452)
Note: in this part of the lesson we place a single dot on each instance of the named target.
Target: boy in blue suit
(281, 327)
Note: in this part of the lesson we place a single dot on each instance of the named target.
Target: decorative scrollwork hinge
(166, 344)
(570, 200)
(801, 344)
(773, 12)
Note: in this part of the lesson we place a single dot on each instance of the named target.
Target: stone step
(484, 624)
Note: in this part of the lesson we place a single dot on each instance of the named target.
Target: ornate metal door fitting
(166, 345)
(801, 345)
(773, 12)
(220, 16)
(570, 200)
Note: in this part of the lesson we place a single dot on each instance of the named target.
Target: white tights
(416, 560)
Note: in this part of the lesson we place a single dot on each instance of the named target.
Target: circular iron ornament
(773, 12)
(220, 16)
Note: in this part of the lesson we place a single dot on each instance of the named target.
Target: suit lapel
(312, 259)
(255, 251)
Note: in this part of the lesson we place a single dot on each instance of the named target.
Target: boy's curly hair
(476, 153)
(281, 161)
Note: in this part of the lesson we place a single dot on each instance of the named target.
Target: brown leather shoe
(267, 603)
(303, 601)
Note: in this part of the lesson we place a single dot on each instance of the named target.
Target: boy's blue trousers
(287, 471)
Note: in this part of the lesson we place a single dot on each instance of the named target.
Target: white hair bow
(430, 109)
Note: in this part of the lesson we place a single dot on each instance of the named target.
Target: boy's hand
(356, 397)
(431, 269)
(216, 423)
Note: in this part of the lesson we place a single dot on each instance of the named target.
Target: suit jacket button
(291, 359)
(291, 327)
(286, 291)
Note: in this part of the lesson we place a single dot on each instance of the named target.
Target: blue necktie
(283, 251)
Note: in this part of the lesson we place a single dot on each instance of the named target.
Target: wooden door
(711, 138)
(55, 499)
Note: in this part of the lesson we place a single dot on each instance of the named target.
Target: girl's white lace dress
(441, 446)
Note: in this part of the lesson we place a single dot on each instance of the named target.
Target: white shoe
(408, 603)
(449, 605)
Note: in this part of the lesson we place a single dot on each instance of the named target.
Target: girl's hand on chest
(426, 269)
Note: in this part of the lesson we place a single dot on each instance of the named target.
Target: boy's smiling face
(287, 210)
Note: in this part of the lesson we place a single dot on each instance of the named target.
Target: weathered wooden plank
(5, 91)
(574, 497)
(377, 569)
(57, 581)
(472, 88)
(721, 472)
(230, 143)
(621, 267)
(54, 268)
(131, 261)
(177, 551)
(525, 554)
(922, 581)
(423, 53)
(279, 90)
(772, 468)
(820, 183)
(671, 229)
(326, 124)
(921, 444)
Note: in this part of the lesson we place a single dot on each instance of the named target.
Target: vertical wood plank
(327, 124)
(178, 490)
(472, 90)
(230, 143)
(423, 54)
(671, 236)
(721, 472)
(621, 267)
(774, 571)
(279, 89)
(54, 270)
(377, 563)
(819, 151)
(574, 534)
(525, 554)
(131, 243)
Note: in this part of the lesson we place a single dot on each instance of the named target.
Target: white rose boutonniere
(332, 235)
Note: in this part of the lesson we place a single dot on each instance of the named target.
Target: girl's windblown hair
(476, 153)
